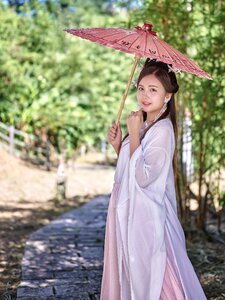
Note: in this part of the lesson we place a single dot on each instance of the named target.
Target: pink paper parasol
(143, 42)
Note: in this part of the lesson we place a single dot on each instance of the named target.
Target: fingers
(136, 113)
(140, 113)
(132, 113)
(114, 127)
(111, 136)
(112, 132)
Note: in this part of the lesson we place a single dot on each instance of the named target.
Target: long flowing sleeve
(149, 169)
(153, 156)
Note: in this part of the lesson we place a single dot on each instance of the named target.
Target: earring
(164, 108)
(161, 111)
(166, 100)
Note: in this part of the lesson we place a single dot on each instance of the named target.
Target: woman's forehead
(150, 80)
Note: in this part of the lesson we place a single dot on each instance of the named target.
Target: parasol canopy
(142, 42)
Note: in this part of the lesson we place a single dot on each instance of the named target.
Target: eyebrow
(149, 85)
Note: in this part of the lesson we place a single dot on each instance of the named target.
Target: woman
(145, 256)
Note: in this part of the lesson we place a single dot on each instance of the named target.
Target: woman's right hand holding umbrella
(115, 136)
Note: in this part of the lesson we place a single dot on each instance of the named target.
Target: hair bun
(149, 60)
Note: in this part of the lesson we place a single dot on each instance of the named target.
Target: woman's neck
(151, 117)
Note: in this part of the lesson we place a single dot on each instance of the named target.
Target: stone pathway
(64, 259)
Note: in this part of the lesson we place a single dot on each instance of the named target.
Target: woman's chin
(145, 109)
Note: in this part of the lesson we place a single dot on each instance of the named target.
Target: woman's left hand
(134, 122)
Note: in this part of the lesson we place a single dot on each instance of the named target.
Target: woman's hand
(134, 122)
(115, 136)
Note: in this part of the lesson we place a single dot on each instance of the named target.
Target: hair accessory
(173, 69)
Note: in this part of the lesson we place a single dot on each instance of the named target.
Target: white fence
(24, 145)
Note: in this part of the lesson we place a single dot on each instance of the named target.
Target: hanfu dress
(145, 255)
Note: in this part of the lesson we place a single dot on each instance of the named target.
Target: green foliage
(52, 80)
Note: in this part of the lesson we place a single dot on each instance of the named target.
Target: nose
(146, 94)
(145, 91)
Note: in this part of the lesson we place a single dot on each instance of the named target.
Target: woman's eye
(152, 90)
(140, 89)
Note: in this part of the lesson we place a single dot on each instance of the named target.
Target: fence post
(61, 178)
(48, 160)
(11, 139)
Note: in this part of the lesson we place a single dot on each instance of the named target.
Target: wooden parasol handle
(127, 88)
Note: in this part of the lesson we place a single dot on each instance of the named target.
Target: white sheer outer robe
(142, 227)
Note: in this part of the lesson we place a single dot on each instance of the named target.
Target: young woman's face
(151, 94)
